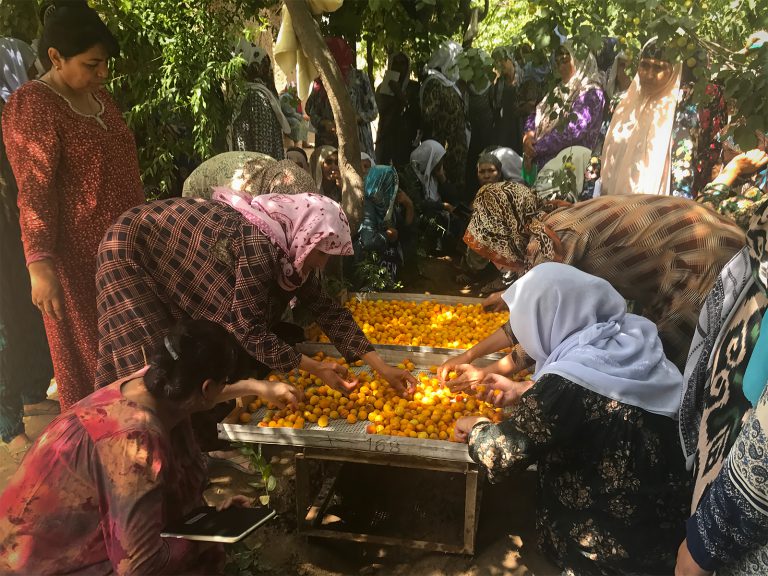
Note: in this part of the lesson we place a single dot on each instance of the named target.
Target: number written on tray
(370, 444)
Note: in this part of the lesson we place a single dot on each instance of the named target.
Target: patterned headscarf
(296, 225)
(281, 177)
(381, 189)
(506, 216)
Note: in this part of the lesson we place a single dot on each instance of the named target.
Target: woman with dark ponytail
(96, 489)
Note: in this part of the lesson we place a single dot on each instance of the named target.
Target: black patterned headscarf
(506, 216)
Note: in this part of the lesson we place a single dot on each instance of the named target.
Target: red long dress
(76, 174)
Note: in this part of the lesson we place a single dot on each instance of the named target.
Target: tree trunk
(313, 45)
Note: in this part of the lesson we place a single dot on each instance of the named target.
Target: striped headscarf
(505, 217)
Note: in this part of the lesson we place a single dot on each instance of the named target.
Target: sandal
(47, 407)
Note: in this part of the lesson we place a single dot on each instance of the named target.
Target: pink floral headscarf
(296, 224)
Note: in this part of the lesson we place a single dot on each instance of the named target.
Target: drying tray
(341, 435)
(409, 297)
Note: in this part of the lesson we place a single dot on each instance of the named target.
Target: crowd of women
(648, 427)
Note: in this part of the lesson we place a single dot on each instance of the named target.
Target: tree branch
(313, 45)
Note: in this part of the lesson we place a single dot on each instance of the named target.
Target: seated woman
(577, 119)
(434, 197)
(101, 482)
(250, 172)
(599, 420)
(659, 140)
(723, 418)
(378, 252)
(324, 166)
(663, 253)
(741, 186)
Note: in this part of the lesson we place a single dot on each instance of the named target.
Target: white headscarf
(576, 325)
(637, 153)
(254, 54)
(424, 159)
(610, 83)
(511, 164)
(544, 185)
(444, 58)
(16, 57)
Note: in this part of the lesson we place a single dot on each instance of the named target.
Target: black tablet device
(228, 526)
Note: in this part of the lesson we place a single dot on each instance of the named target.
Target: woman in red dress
(77, 170)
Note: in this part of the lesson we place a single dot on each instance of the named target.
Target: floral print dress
(612, 488)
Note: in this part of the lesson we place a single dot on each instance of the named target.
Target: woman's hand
(239, 501)
(686, 565)
(448, 207)
(467, 376)
(529, 142)
(500, 391)
(494, 303)
(451, 364)
(335, 376)
(748, 162)
(391, 234)
(47, 293)
(464, 426)
(281, 394)
(401, 380)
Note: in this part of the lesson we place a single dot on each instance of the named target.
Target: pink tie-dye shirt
(95, 490)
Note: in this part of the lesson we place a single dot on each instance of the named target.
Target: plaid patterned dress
(186, 257)
(662, 252)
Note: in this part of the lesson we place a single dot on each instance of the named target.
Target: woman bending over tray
(662, 252)
(237, 261)
(98, 486)
(599, 420)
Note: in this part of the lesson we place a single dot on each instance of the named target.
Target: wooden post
(313, 45)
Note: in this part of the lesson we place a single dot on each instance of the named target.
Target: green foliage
(258, 462)
(476, 68)
(19, 19)
(373, 276)
(242, 559)
(176, 63)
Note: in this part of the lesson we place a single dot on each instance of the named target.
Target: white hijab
(253, 53)
(576, 325)
(637, 153)
(444, 58)
(16, 57)
(511, 164)
(424, 159)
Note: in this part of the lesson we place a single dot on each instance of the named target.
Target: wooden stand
(309, 514)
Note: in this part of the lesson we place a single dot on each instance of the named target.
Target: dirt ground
(505, 544)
